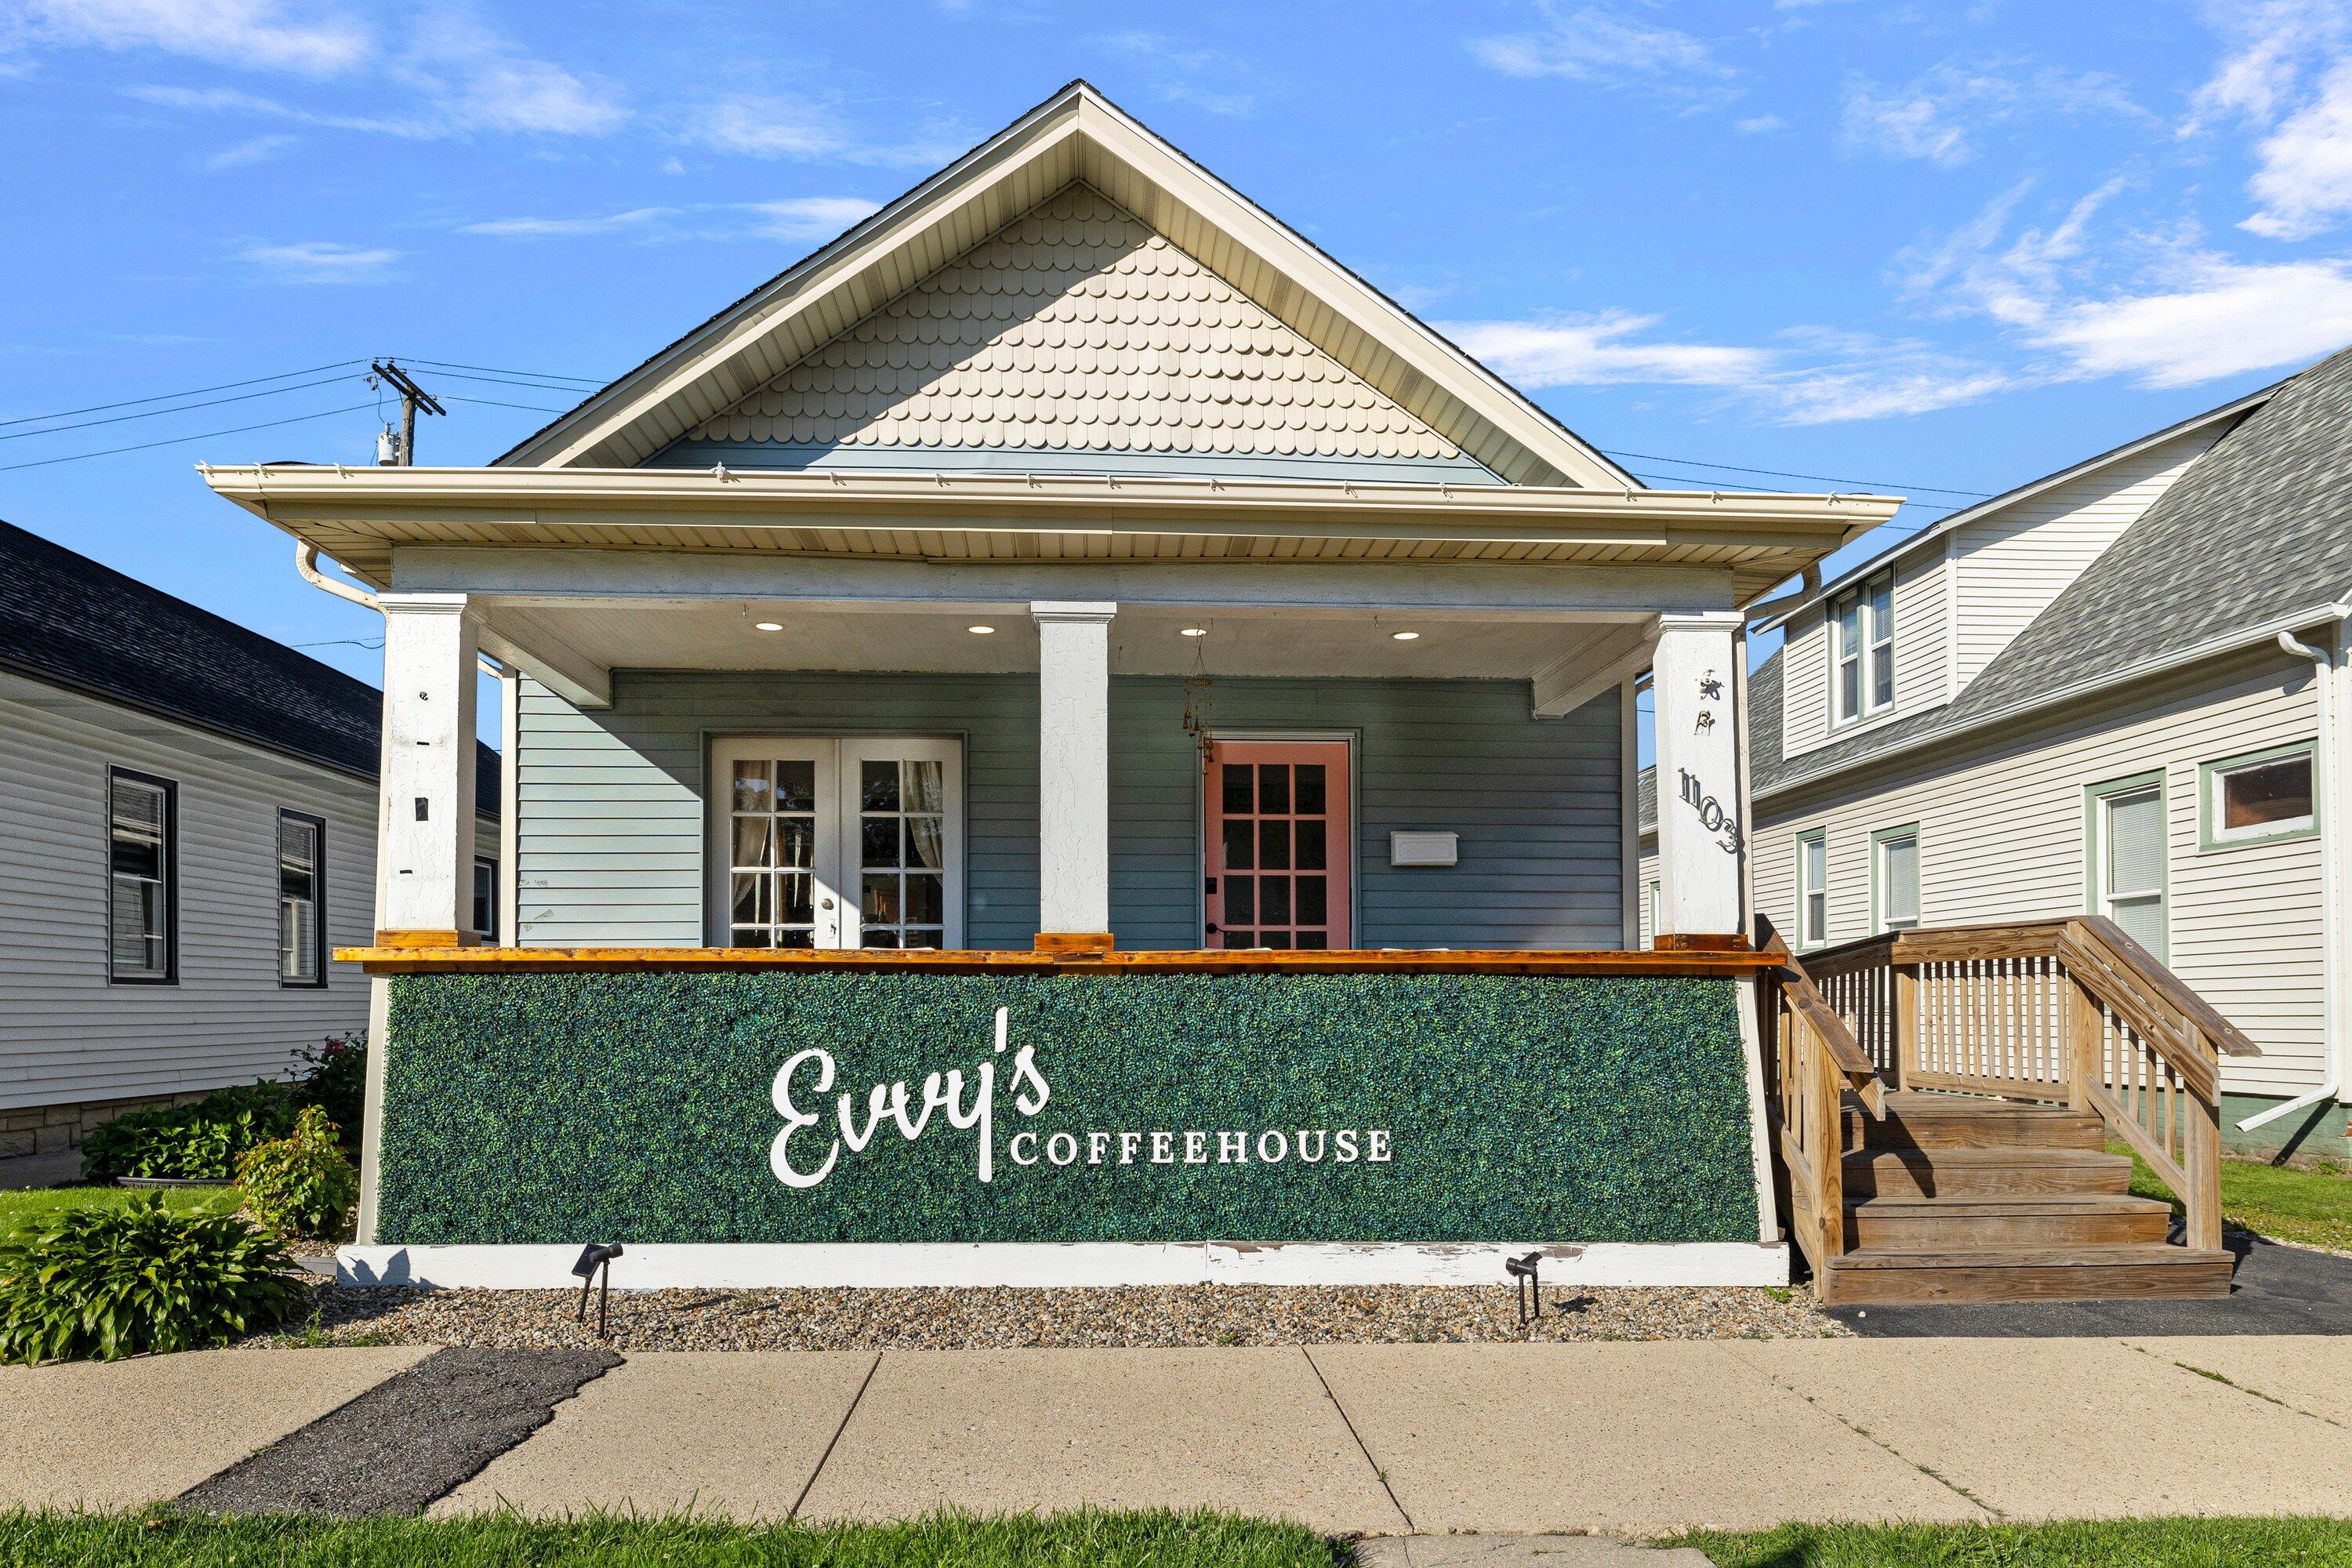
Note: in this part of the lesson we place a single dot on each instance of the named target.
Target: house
(2116, 690)
(189, 818)
(1066, 738)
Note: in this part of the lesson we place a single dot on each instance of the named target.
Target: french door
(1279, 847)
(851, 842)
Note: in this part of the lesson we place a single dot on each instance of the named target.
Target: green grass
(2281, 1202)
(18, 1208)
(164, 1540)
(2111, 1544)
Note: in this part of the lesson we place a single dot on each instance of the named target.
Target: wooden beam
(550, 660)
(1576, 678)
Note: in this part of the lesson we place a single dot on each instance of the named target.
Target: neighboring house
(2074, 697)
(187, 829)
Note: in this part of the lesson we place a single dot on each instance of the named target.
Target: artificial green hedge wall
(636, 1107)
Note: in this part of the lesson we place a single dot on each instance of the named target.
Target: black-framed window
(301, 899)
(142, 880)
(486, 898)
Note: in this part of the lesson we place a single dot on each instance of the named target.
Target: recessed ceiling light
(768, 625)
(1194, 632)
(979, 631)
(1404, 636)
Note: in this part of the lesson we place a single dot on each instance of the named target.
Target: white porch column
(1073, 773)
(1702, 811)
(425, 847)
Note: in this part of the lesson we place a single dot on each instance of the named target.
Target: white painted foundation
(838, 1265)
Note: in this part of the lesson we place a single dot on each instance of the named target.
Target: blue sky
(1907, 245)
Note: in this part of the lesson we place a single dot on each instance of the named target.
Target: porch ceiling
(723, 634)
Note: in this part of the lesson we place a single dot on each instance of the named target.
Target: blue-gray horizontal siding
(609, 820)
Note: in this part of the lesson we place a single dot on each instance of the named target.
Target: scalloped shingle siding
(1077, 327)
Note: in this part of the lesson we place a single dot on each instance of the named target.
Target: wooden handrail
(2070, 1009)
(1852, 1063)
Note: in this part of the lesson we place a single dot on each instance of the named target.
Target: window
(1812, 889)
(301, 936)
(141, 887)
(486, 898)
(2259, 798)
(2126, 858)
(1894, 878)
(1862, 651)
(1653, 913)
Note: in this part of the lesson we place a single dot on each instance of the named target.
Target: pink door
(1278, 851)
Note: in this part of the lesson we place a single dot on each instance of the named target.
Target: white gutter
(305, 562)
(2328, 793)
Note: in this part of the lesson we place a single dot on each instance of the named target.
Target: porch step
(1983, 1172)
(1953, 1225)
(1957, 1122)
(2023, 1274)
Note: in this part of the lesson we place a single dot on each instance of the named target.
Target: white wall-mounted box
(1423, 847)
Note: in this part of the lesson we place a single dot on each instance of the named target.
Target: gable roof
(1076, 338)
(70, 622)
(1076, 136)
(2254, 539)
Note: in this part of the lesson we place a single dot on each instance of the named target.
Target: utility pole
(412, 398)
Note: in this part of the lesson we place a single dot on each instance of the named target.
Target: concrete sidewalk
(1620, 1439)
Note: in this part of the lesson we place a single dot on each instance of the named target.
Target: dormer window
(1862, 672)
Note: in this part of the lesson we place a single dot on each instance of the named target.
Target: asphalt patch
(408, 1440)
(2277, 1289)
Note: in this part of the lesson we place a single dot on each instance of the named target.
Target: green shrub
(300, 1185)
(200, 1140)
(103, 1283)
(332, 1076)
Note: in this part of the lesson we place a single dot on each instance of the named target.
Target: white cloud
(258, 149)
(545, 227)
(768, 128)
(1219, 83)
(2269, 45)
(2015, 283)
(1809, 378)
(2211, 317)
(1759, 125)
(2304, 185)
(1933, 116)
(1590, 44)
(811, 217)
(321, 261)
(257, 34)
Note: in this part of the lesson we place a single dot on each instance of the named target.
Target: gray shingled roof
(70, 622)
(2256, 533)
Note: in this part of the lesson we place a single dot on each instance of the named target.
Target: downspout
(2329, 797)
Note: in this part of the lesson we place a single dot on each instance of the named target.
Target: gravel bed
(1128, 1317)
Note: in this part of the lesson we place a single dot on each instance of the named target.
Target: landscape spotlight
(594, 1256)
(1523, 1270)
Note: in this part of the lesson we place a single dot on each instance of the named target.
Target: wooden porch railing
(1810, 1060)
(2070, 1011)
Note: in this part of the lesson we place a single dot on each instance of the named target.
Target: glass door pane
(902, 800)
(1278, 846)
(775, 845)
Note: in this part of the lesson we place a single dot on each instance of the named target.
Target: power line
(181, 408)
(493, 402)
(1760, 489)
(506, 380)
(167, 396)
(179, 441)
(496, 370)
(1784, 474)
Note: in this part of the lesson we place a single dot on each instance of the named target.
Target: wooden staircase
(1942, 1104)
(1953, 1198)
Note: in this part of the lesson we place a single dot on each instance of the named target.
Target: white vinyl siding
(2002, 837)
(2010, 565)
(66, 1034)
